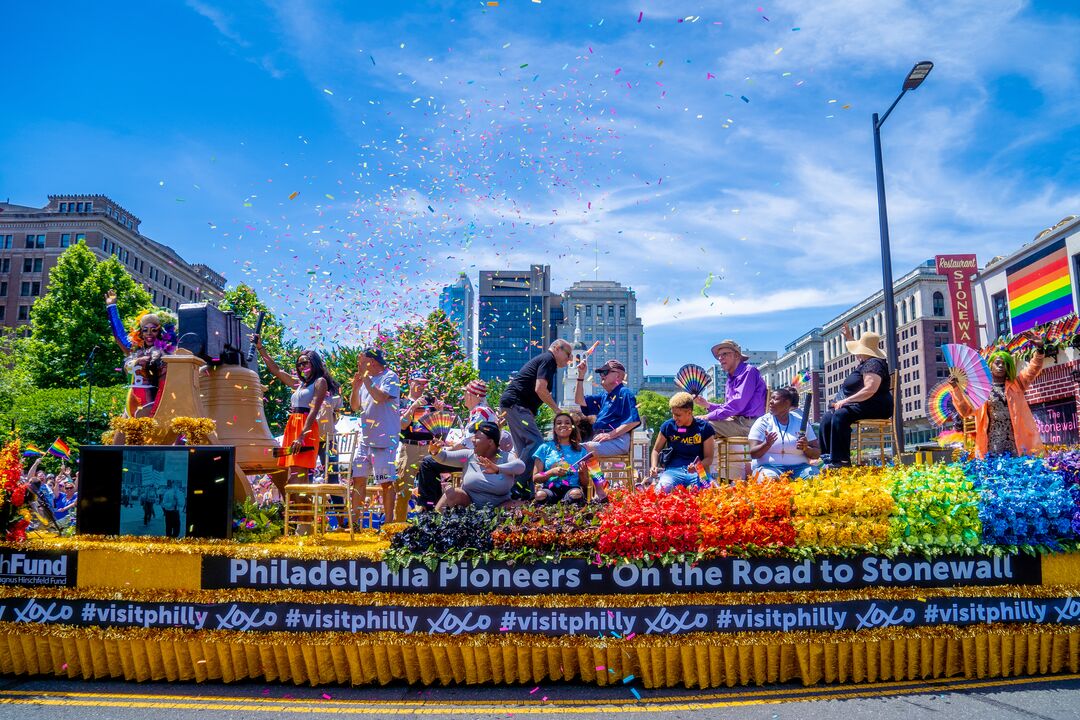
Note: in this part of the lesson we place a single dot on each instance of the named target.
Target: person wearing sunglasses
(617, 415)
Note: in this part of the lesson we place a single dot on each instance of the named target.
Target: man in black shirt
(530, 388)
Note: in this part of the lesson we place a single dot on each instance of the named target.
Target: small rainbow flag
(698, 467)
(1039, 287)
(60, 449)
(32, 451)
(592, 464)
(801, 380)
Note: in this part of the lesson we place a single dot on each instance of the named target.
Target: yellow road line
(524, 705)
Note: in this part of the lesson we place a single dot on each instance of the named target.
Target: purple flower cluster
(1068, 464)
(1023, 501)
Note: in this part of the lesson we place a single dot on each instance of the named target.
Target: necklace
(782, 431)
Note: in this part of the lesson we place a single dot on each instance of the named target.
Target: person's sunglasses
(603, 373)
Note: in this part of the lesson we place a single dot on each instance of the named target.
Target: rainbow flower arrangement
(1022, 501)
(846, 509)
(747, 513)
(14, 514)
(650, 524)
(937, 507)
(1067, 462)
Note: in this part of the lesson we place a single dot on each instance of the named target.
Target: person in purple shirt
(744, 393)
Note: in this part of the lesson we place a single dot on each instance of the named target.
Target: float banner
(616, 622)
(37, 567)
(959, 269)
(577, 576)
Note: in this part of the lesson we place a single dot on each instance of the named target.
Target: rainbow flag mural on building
(1039, 288)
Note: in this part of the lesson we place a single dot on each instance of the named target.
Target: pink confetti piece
(326, 697)
(631, 636)
(640, 15)
(534, 690)
(600, 668)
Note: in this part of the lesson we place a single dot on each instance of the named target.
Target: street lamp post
(913, 80)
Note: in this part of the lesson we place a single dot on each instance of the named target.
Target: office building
(1037, 284)
(606, 313)
(457, 301)
(31, 240)
(923, 326)
(806, 354)
(659, 384)
(518, 319)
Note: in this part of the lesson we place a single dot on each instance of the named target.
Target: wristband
(581, 380)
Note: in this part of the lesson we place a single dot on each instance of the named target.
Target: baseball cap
(611, 365)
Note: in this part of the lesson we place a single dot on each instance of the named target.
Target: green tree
(430, 346)
(41, 416)
(243, 301)
(653, 409)
(70, 320)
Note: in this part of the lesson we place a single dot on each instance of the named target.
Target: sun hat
(729, 345)
(869, 343)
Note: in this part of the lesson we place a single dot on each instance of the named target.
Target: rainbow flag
(592, 464)
(801, 380)
(702, 475)
(32, 451)
(60, 449)
(1039, 287)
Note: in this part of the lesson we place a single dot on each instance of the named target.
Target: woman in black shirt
(865, 395)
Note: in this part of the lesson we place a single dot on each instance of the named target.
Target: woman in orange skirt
(311, 385)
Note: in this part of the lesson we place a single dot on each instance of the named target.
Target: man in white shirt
(171, 503)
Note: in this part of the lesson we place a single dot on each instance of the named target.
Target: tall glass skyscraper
(457, 302)
(519, 317)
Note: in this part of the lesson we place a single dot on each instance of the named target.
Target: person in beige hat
(744, 393)
(865, 395)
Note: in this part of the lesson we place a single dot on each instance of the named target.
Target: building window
(24, 312)
(24, 290)
(31, 265)
(80, 237)
(65, 239)
(3, 290)
(2, 313)
(5, 265)
(89, 207)
(5, 242)
(35, 289)
(1002, 321)
(63, 207)
(939, 305)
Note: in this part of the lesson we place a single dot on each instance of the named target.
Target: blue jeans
(802, 471)
(676, 477)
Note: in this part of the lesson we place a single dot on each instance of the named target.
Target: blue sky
(347, 159)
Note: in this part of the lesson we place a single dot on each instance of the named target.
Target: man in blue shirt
(618, 415)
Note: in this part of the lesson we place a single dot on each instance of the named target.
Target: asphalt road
(1056, 698)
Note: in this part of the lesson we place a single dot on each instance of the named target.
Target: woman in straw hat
(865, 395)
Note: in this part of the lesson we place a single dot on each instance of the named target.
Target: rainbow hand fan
(438, 422)
(692, 379)
(940, 403)
(971, 370)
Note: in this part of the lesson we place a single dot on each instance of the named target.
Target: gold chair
(315, 503)
(341, 445)
(732, 458)
(618, 471)
(878, 434)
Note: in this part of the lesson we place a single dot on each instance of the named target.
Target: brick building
(31, 240)
(1055, 393)
(923, 326)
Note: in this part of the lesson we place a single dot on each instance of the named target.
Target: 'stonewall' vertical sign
(959, 269)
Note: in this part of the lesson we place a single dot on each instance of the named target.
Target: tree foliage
(243, 301)
(70, 320)
(653, 409)
(41, 416)
(429, 346)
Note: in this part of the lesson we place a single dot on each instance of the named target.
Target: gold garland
(138, 430)
(383, 599)
(196, 430)
(517, 640)
(367, 545)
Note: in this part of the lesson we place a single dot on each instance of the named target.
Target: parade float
(909, 572)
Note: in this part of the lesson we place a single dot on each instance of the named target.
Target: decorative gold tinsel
(196, 430)
(137, 431)
(382, 599)
(328, 598)
(694, 660)
(367, 545)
